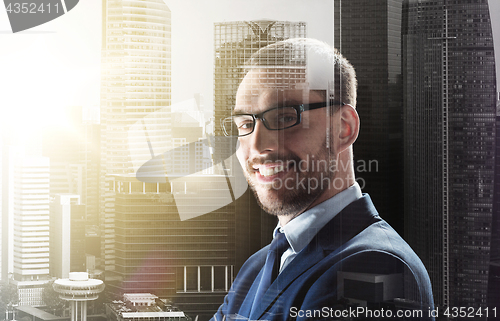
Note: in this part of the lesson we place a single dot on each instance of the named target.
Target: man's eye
(245, 125)
(285, 119)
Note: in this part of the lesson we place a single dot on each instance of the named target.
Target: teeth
(268, 171)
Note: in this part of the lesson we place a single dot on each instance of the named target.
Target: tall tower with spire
(450, 141)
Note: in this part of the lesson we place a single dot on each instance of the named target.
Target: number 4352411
(463, 312)
(27, 7)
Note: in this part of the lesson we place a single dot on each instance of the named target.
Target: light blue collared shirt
(301, 230)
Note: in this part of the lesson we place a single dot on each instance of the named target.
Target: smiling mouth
(270, 170)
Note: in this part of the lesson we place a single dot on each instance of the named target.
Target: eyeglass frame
(298, 108)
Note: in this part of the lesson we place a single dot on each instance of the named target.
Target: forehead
(262, 89)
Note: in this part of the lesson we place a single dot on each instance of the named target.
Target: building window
(204, 278)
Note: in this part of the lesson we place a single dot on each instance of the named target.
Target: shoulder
(366, 244)
(380, 249)
(359, 229)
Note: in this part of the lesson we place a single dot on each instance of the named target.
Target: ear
(349, 127)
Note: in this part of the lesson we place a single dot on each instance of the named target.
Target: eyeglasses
(273, 119)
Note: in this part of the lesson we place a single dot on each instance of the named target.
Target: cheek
(241, 155)
(308, 138)
(310, 142)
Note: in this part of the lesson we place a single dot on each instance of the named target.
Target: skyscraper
(3, 221)
(136, 82)
(188, 261)
(494, 272)
(188, 148)
(368, 34)
(91, 176)
(31, 228)
(67, 235)
(5, 211)
(64, 146)
(10, 155)
(450, 141)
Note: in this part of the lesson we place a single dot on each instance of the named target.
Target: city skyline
(55, 43)
(185, 82)
(63, 58)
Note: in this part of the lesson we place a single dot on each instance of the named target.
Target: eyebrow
(309, 106)
(240, 112)
(237, 113)
(289, 103)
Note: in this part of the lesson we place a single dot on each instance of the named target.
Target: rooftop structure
(143, 306)
(78, 289)
(140, 299)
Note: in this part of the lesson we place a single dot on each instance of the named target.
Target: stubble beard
(279, 199)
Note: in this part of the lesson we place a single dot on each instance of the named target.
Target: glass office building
(450, 141)
(368, 34)
(188, 261)
(136, 82)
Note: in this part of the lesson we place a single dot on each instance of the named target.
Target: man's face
(287, 169)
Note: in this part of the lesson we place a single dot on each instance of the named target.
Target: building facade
(190, 262)
(144, 306)
(136, 82)
(74, 158)
(64, 147)
(494, 271)
(67, 235)
(368, 34)
(31, 228)
(450, 142)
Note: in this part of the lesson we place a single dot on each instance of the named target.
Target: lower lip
(270, 179)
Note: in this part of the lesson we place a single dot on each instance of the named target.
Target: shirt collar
(301, 230)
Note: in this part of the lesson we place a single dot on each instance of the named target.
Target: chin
(281, 202)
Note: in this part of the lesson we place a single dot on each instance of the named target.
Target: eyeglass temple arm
(321, 105)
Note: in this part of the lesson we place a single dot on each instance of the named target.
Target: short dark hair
(291, 55)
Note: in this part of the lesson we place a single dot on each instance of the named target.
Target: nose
(262, 140)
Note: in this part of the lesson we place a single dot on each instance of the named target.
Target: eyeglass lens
(274, 119)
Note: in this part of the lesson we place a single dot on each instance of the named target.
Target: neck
(347, 178)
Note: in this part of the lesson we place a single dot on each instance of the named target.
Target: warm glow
(38, 89)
